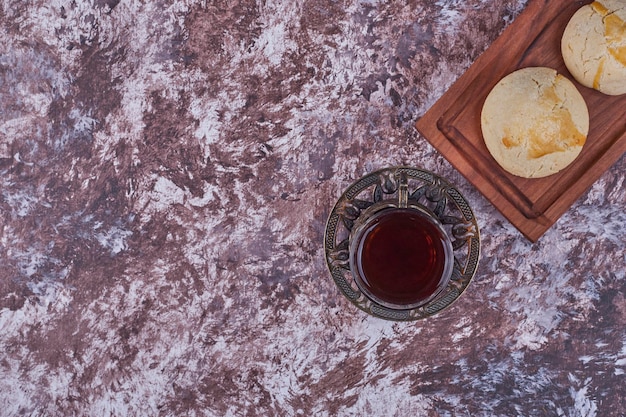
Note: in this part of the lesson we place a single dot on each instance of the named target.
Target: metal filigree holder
(423, 188)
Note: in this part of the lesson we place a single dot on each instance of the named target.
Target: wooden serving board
(452, 125)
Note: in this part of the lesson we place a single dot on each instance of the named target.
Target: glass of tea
(400, 255)
(402, 243)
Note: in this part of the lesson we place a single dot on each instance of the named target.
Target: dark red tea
(401, 257)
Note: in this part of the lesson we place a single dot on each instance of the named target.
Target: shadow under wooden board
(452, 125)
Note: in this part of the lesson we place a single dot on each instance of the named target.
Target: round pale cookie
(594, 46)
(534, 122)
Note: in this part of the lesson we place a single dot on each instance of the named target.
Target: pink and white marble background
(166, 171)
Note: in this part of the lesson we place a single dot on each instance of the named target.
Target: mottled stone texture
(166, 170)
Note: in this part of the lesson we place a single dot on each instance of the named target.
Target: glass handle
(403, 190)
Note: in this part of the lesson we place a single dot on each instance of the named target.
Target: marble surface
(166, 171)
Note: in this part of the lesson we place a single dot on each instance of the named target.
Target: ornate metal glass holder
(426, 189)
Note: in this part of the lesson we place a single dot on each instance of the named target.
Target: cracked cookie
(594, 46)
(534, 122)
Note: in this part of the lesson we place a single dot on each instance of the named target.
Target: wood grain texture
(452, 125)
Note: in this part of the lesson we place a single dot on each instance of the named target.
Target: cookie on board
(594, 46)
(534, 122)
